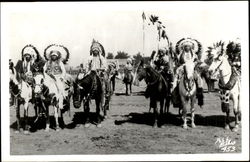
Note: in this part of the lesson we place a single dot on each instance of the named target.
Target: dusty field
(128, 130)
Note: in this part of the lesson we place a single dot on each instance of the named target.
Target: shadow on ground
(172, 119)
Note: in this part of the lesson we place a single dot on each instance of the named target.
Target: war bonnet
(59, 50)
(96, 46)
(30, 50)
(193, 43)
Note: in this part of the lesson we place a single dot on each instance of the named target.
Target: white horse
(22, 93)
(187, 90)
(229, 83)
(47, 93)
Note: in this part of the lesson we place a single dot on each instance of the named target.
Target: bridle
(185, 83)
(158, 78)
(217, 68)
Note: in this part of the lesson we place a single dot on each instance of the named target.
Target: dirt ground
(128, 130)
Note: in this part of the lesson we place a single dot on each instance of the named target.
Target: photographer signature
(225, 144)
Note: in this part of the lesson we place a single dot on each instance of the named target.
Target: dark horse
(85, 89)
(157, 89)
(128, 79)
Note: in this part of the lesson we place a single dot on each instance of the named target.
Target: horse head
(38, 85)
(77, 97)
(189, 73)
(141, 71)
(219, 58)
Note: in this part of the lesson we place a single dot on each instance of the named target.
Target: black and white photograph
(115, 81)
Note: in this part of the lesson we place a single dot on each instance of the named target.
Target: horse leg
(130, 87)
(47, 118)
(56, 117)
(154, 106)
(86, 111)
(236, 113)
(184, 112)
(167, 105)
(98, 109)
(61, 117)
(126, 89)
(192, 112)
(227, 121)
(161, 113)
(26, 105)
(113, 85)
(18, 116)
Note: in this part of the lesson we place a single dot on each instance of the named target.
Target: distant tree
(110, 55)
(138, 57)
(121, 55)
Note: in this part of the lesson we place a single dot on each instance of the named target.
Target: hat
(57, 50)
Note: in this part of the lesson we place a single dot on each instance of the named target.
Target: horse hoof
(155, 126)
(185, 126)
(26, 132)
(193, 126)
(98, 125)
(17, 131)
(86, 125)
(46, 130)
(226, 127)
(57, 129)
(162, 126)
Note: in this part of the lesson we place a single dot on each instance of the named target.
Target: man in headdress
(56, 71)
(112, 68)
(98, 64)
(188, 54)
(24, 67)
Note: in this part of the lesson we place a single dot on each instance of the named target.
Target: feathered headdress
(193, 43)
(59, 50)
(97, 46)
(219, 47)
(30, 50)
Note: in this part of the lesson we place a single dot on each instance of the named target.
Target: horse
(85, 89)
(128, 80)
(46, 94)
(22, 94)
(187, 92)
(165, 66)
(157, 89)
(229, 83)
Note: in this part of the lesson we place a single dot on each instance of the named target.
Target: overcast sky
(118, 25)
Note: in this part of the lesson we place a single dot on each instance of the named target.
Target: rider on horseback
(25, 67)
(98, 64)
(186, 49)
(55, 69)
